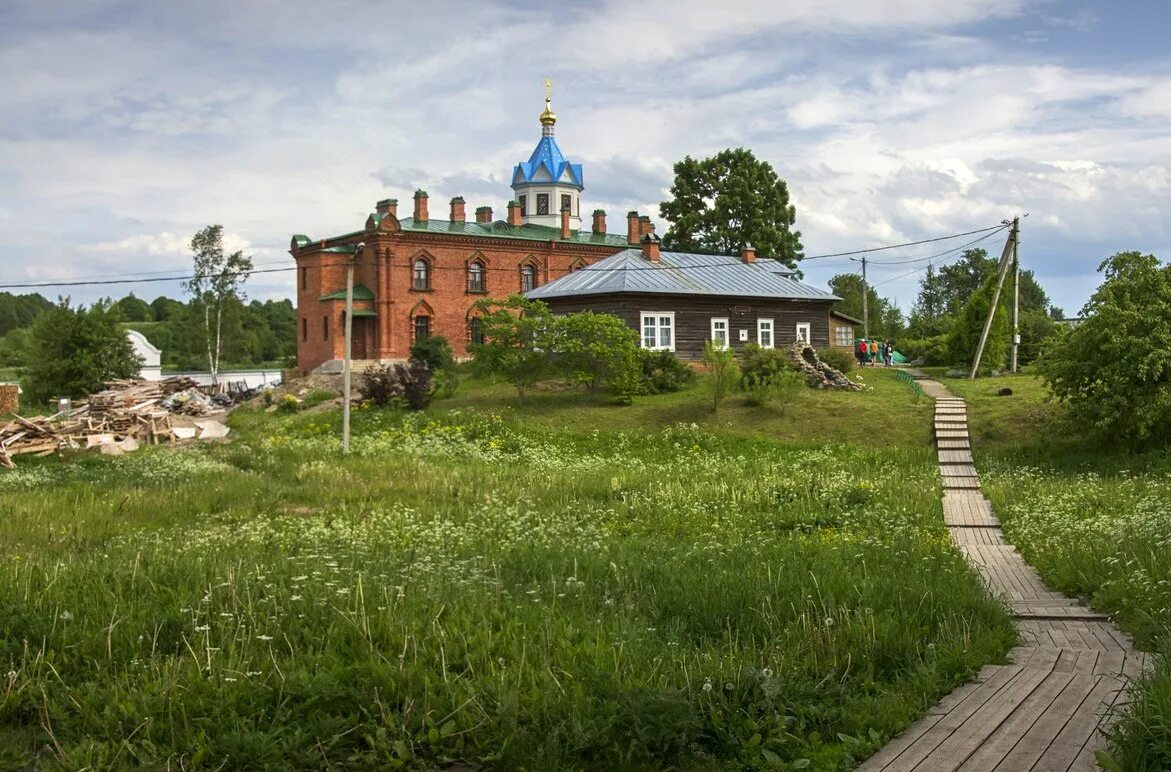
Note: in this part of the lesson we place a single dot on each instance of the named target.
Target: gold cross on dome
(548, 89)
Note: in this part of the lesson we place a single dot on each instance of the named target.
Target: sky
(125, 127)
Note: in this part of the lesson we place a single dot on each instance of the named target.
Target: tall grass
(466, 588)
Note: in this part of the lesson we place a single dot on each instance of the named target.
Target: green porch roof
(364, 312)
(361, 292)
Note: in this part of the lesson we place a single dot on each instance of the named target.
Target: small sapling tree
(723, 372)
(217, 279)
(518, 334)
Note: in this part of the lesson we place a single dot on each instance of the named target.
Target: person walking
(873, 352)
(861, 353)
(888, 353)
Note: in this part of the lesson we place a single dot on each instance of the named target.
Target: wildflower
(829, 621)
(707, 685)
(202, 628)
(264, 637)
(66, 616)
(767, 672)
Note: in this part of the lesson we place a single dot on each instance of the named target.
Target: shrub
(760, 364)
(434, 351)
(517, 340)
(839, 359)
(1114, 369)
(594, 349)
(398, 385)
(933, 350)
(663, 372)
(725, 373)
(964, 338)
(447, 380)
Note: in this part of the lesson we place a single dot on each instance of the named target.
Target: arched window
(475, 330)
(422, 326)
(528, 277)
(421, 275)
(476, 276)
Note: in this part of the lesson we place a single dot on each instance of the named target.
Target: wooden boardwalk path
(1046, 709)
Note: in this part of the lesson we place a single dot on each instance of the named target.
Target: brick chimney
(650, 247)
(748, 253)
(514, 213)
(483, 214)
(457, 209)
(632, 233)
(599, 221)
(564, 222)
(644, 225)
(421, 205)
(387, 206)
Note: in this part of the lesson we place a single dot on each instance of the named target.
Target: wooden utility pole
(1005, 260)
(346, 360)
(1016, 291)
(865, 300)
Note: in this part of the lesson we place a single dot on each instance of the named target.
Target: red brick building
(420, 274)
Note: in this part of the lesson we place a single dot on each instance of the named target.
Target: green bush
(594, 350)
(933, 350)
(839, 359)
(434, 351)
(663, 372)
(759, 364)
(407, 386)
(964, 338)
(1114, 369)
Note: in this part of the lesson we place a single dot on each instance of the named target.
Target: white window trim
(808, 332)
(727, 332)
(656, 315)
(772, 333)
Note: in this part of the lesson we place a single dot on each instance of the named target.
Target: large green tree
(886, 318)
(964, 338)
(18, 311)
(1114, 369)
(74, 351)
(720, 204)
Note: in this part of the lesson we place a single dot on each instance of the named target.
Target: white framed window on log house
(803, 332)
(720, 332)
(658, 330)
(764, 333)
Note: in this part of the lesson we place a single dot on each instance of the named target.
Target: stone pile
(804, 358)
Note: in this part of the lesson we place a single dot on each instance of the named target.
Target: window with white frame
(844, 335)
(720, 332)
(803, 334)
(764, 333)
(658, 330)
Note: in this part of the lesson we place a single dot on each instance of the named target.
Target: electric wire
(432, 267)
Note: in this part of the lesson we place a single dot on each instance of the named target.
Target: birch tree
(217, 278)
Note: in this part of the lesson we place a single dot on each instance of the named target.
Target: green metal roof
(501, 229)
(364, 312)
(361, 292)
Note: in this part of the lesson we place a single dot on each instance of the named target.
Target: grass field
(561, 585)
(1094, 519)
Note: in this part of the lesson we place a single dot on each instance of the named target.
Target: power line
(941, 254)
(924, 268)
(187, 277)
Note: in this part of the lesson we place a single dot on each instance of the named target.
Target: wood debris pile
(117, 420)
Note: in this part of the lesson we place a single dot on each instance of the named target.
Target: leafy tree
(595, 349)
(19, 311)
(517, 338)
(886, 318)
(964, 338)
(1114, 369)
(218, 278)
(930, 308)
(73, 352)
(166, 309)
(723, 371)
(133, 309)
(435, 351)
(720, 204)
(14, 348)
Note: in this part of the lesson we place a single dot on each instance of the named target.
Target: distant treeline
(254, 333)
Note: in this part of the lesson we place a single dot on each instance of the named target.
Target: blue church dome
(548, 156)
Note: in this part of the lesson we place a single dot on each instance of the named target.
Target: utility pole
(1016, 290)
(346, 360)
(1005, 259)
(865, 299)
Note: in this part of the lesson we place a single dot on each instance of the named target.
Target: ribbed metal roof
(682, 273)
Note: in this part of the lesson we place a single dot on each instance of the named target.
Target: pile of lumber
(118, 419)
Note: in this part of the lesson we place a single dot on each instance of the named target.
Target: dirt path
(1044, 711)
